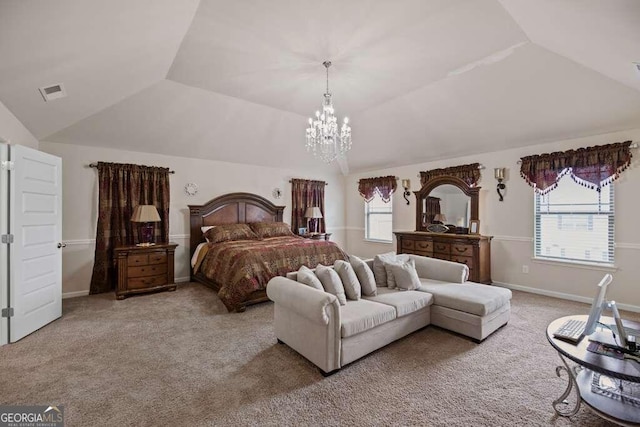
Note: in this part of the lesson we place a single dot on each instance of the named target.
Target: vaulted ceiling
(236, 80)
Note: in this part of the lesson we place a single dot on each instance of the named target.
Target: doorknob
(62, 245)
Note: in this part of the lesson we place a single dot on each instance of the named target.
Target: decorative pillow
(405, 274)
(379, 271)
(331, 282)
(227, 232)
(308, 277)
(349, 279)
(205, 229)
(391, 281)
(271, 229)
(365, 276)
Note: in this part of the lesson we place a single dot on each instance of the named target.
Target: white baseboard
(182, 279)
(561, 295)
(75, 294)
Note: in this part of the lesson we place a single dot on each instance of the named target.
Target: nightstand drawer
(147, 270)
(147, 282)
(142, 259)
(157, 258)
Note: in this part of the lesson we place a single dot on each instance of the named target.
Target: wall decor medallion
(277, 193)
(191, 189)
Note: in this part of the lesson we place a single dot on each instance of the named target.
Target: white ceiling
(235, 80)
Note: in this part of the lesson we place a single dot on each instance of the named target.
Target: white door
(35, 256)
(4, 249)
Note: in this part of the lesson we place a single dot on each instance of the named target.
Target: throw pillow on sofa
(308, 277)
(379, 271)
(349, 279)
(331, 282)
(399, 259)
(405, 275)
(365, 276)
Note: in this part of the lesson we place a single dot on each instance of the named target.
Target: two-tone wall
(511, 224)
(80, 200)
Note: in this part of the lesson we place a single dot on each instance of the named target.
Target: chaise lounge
(330, 335)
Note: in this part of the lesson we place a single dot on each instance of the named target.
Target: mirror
(451, 197)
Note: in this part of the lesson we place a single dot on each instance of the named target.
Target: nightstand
(317, 236)
(144, 269)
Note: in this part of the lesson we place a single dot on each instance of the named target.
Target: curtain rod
(95, 166)
(631, 147)
(326, 183)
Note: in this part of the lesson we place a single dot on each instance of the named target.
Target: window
(575, 223)
(378, 218)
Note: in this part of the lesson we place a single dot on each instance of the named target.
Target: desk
(580, 376)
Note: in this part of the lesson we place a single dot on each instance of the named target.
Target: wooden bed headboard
(232, 208)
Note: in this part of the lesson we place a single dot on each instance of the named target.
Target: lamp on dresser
(146, 215)
(313, 214)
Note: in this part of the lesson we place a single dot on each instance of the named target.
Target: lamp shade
(313, 212)
(145, 213)
(440, 217)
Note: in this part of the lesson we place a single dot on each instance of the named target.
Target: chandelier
(323, 138)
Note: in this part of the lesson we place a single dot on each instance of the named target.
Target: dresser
(144, 269)
(470, 249)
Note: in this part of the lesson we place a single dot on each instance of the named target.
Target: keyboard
(571, 331)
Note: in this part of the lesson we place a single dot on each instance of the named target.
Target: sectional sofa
(313, 323)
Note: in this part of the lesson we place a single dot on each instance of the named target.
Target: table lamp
(439, 219)
(146, 215)
(314, 214)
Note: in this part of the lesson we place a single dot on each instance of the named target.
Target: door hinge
(7, 238)
(7, 312)
(7, 165)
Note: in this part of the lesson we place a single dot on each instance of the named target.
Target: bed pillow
(379, 271)
(308, 277)
(229, 232)
(365, 276)
(271, 229)
(331, 282)
(349, 279)
(206, 228)
(398, 260)
(405, 275)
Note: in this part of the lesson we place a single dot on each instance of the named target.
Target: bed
(239, 270)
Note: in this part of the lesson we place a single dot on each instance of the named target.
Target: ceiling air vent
(49, 93)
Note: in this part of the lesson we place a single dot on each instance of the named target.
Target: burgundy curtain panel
(121, 187)
(304, 194)
(592, 167)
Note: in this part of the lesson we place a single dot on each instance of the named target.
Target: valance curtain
(121, 187)
(468, 173)
(304, 194)
(592, 167)
(384, 186)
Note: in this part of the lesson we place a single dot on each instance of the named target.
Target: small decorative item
(302, 231)
(499, 173)
(474, 226)
(191, 189)
(146, 215)
(276, 193)
(406, 184)
(437, 228)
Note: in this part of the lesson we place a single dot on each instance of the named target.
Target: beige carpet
(178, 358)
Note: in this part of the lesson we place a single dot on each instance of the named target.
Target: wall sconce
(499, 173)
(406, 184)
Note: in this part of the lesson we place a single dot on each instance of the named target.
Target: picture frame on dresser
(474, 226)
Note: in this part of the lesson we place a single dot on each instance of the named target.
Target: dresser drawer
(461, 249)
(157, 258)
(408, 244)
(463, 260)
(141, 259)
(441, 248)
(441, 256)
(147, 270)
(423, 253)
(424, 246)
(147, 282)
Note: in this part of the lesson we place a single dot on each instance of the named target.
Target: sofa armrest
(438, 269)
(304, 300)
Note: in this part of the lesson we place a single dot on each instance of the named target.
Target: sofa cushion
(364, 274)
(309, 278)
(405, 302)
(468, 297)
(405, 275)
(379, 271)
(331, 282)
(388, 263)
(349, 279)
(362, 315)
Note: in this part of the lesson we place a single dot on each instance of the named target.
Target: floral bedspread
(243, 266)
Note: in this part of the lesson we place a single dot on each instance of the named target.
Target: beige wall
(80, 195)
(11, 129)
(511, 224)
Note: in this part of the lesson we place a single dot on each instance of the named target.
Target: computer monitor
(598, 304)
